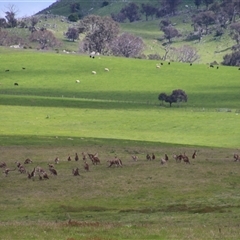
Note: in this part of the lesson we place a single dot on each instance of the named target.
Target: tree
(119, 17)
(127, 45)
(231, 8)
(72, 34)
(185, 53)
(232, 59)
(170, 32)
(177, 96)
(162, 97)
(235, 32)
(75, 7)
(45, 38)
(73, 17)
(33, 22)
(198, 3)
(3, 23)
(131, 11)
(171, 5)
(148, 10)
(204, 19)
(208, 2)
(99, 33)
(11, 16)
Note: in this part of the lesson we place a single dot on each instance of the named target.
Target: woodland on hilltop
(104, 33)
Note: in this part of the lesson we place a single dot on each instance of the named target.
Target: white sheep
(77, 81)
(106, 69)
(93, 72)
(92, 54)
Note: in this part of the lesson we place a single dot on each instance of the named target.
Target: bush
(155, 56)
(232, 59)
(73, 17)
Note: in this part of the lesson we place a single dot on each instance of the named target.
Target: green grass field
(117, 113)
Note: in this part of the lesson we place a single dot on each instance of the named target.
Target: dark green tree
(131, 11)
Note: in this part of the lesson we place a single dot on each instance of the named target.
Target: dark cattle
(23, 68)
(7, 70)
(211, 66)
(15, 84)
(190, 64)
(161, 63)
(169, 63)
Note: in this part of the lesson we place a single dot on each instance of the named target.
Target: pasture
(117, 113)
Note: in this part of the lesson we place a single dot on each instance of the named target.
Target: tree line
(102, 34)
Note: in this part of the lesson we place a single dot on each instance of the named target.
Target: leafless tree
(185, 53)
(99, 32)
(11, 16)
(127, 45)
(45, 38)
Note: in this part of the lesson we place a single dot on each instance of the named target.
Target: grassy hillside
(210, 48)
(117, 114)
(124, 100)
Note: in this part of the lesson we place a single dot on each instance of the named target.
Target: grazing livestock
(236, 157)
(7, 170)
(169, 63)
(116, 161)
(92, 54)
(166, 157)
(186, 159)
(15, 84)
(153, 156)
(157, 66)
(56, 160)
(69, 158)
(86, 166)
(27, 161)
(3, 165)
(43, 175)
(94, 158)
(75, 172)
(148, 157)
(190, 64)
(134, 157)
(77, 81)
(211, 66)
(106, 69)
(94, 72)
(53, 171)
(32, 174)
(76, 157)
(194, 154)
(161, 63)
(178, 158)
(163, 161)
(23, 68)
(7, 70)
(84, 156)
